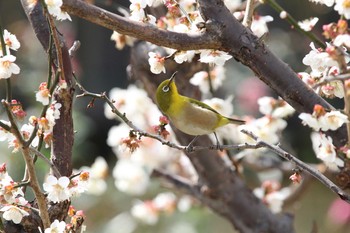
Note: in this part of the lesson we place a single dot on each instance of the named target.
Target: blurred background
(100, 67)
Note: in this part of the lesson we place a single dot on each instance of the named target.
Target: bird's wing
(205, 106)
(202, 105)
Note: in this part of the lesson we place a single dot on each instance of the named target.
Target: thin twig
(46, 160)
(301, 165)
(328, 79)
(74, 48)
(295, 24)
(34, 184)
(249, 10)
(57, 43)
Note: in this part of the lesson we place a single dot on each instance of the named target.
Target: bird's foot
(218, 147)
(189, 148)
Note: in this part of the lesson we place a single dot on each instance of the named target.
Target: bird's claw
(189, 148)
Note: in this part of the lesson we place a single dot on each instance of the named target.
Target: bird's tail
(235, 121)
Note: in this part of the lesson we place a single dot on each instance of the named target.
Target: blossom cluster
(326, 64)
(14, 205)
(7, 60)
(182, 17)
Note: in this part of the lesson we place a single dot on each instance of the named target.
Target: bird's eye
(166, 88)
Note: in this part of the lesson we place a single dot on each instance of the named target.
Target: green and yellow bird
(189, 115)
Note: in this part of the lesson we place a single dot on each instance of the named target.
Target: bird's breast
(194, 120)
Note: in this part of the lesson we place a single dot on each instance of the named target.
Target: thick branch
(139, 30)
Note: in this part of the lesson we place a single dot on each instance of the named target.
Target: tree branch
(303, 166)
(142, 31)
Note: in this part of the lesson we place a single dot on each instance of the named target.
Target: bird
(189, 115)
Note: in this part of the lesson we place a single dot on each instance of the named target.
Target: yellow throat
(189, 115)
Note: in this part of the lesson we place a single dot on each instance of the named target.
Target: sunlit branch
(301, 165)
(247, 20)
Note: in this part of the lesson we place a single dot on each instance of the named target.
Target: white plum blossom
(136, 105)
(307, 79)
(334, 120)
(145, 212)
(184, 203)
(8, 192)
(201, 79)
(308, 24)
(56, 227)
(4, 134)
(328, 3)
(184, 56)
(137, 12)
(98, 171)
(276, 199)
(325, 150)
(259, 25)
(54, 8)
(57, 189)
(11, 42)
(329, 121)
(53, 113)
(8, 67)
(165, 202)
(318, 61)
(79, 184)
(131, 177)
(333, 88)
(343, 8)
(310, 120)
(342, 40)
(214, 57)
(13, 213)
(156, 63)
(275, 108)
(122, 40)
(43, 95)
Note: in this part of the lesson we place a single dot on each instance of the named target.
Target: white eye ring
(166, 88)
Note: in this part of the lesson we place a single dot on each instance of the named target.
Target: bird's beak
(172, 78)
